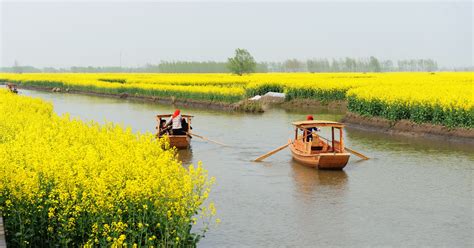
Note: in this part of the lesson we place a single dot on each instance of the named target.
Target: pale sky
(83, 33)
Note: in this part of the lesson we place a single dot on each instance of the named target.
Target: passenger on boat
(163, 128)
(175, 121)
(310, 130)
(185, 125)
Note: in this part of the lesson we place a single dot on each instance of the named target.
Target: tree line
(243, 62)
(370, 64)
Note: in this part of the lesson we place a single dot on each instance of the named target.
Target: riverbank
(339, 106)
(170, 100)
(402, 127)
(408, 128)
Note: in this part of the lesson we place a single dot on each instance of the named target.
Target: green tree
(242, 62)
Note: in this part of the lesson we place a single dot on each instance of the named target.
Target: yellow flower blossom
(74, 178)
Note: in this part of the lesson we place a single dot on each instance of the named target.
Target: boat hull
(323, 161)
(180, 141)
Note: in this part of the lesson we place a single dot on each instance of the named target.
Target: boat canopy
(169, 115)
(317, 123)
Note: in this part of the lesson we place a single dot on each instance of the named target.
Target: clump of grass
(250, 106)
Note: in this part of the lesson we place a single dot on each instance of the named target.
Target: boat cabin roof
(317, 123)
(169, 115)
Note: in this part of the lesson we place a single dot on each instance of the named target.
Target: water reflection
(186, 156)
(308, 180)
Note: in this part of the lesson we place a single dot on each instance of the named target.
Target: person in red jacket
(176, 121)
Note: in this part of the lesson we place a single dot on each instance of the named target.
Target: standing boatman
(175, 120)
(310, 130)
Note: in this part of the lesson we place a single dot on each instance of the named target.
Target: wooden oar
(358, 154)
(207, 139)
(266, 155)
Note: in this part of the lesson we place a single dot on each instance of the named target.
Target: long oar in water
(207, 139)
(268, 154)
(358, 154)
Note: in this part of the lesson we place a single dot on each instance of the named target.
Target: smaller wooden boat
(12, 87)
(178, 141)
(312, 150)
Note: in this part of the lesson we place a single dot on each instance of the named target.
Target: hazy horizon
(44, 34)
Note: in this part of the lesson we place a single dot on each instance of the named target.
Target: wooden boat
(319, 152)
(178, 141)
(12, 87)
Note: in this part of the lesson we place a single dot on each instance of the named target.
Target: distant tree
(242, 62)
(293, 65)
(312, 65)
(431, 65)
(262, 67)
(318, 65)
(349, 64)
(374, 64)
(335, 66)
(274, 66)
(50, 69)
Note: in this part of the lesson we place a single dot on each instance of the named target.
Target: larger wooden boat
(313, 150)
(178, 141)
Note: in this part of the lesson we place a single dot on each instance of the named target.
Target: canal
(414, 191)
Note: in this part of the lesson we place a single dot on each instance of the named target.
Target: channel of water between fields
(414, 191)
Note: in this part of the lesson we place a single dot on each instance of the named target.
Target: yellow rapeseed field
(68, 183)
(441, 98)
(444, 98)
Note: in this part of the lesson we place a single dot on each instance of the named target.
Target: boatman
(175, 121)
(310, 130)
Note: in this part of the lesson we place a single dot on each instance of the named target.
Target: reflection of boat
(308, 180)
(185, 156)
(317, 151)
(313, 185)
(178, 141)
